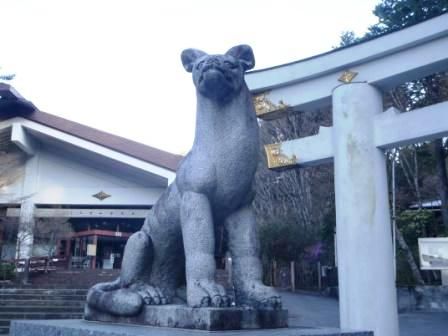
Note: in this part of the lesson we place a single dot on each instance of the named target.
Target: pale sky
(115, 64)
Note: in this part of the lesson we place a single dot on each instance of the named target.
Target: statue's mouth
(214, 73)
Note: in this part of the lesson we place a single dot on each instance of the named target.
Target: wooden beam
(100, 233)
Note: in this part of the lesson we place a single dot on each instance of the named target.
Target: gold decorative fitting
(101, 195)
(276, 158)
(263, 105)
(347, 76)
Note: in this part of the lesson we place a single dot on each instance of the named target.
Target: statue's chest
(224, 157)
(236, 151)
(235, 165)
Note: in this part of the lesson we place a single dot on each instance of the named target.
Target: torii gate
(352, 80)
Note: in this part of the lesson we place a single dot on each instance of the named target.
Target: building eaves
(12, 104)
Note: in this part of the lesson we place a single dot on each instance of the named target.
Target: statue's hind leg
(244, 248)
(168, 264)
(126, 295)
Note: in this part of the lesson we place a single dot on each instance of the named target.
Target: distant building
(427, 205)
(103, 184)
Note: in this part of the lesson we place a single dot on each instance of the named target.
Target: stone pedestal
(85, 328)
(182, 316)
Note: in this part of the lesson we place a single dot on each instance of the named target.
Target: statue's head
(219, 77)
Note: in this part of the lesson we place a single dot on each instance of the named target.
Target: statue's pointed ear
(244, 54)
(189, 56)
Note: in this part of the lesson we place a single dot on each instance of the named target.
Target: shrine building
(103, 184)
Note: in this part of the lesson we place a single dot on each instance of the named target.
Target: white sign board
(91, 250)
(433, 253)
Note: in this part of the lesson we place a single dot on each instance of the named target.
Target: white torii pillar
(367, 293)
(356, 141)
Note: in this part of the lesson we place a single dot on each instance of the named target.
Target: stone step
(4, 323)
(42, 303)
(39, 316)
(57, 285)
(41, 297)
(4, 331)
(40, 309)
(42, 291)
(74, 278)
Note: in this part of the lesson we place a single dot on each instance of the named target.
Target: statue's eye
(230, 65)
(200, 64)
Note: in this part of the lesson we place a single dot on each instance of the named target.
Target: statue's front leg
(137, 267)
(247, 271)
(199, 245)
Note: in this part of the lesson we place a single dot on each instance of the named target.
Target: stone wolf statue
(213, 188)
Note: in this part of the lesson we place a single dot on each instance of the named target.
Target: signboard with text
(433, 253)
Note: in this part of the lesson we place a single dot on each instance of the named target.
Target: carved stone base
(182, 316)
(85, 328)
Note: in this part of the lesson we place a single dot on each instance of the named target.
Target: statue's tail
(110, 297)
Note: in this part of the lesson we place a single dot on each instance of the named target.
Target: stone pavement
(312, 310)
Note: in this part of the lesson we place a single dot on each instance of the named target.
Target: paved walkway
(317, 311)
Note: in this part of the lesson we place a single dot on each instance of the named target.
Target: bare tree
(304, 194)
(48, 231)
(12, 234)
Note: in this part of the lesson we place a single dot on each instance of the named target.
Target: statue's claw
(206, 293)
(259, 296)
(220, 301)
(205, 302)
(151, 295)
(274, 302)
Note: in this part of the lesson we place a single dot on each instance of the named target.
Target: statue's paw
(206, 293)
(259, 296)
(151, 295)
(120, 302)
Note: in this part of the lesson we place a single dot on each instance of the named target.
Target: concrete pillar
(68, 248)
(95, 242)
(25, 235)
(367, 293)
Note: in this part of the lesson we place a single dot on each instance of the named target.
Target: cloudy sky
(115, 65)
